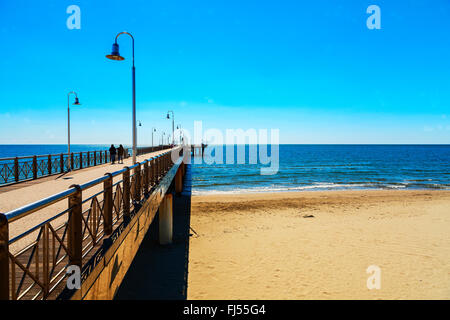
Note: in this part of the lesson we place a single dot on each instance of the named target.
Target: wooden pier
(99, 231)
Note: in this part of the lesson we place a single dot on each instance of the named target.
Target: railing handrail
(50, 154)
(67, 153)
(23, 211)
(22, 168)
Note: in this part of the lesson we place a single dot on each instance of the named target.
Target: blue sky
(309, 68)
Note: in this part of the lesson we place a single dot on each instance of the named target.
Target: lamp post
(116, 56)
(153, 130)
(173, 119)
(76, 103)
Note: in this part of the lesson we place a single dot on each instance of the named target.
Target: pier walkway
(20, 194)
(94, 220)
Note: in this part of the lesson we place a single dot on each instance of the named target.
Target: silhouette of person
(120, 152)
(112, 152)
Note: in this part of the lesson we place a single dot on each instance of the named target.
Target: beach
(319, 245)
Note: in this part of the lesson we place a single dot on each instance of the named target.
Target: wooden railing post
(34, 167)
(4, 258)
(158, 161)
(75, 228)
(146, 177)
(126, 194)
(88, 159)
(61, 163)
(167, 156)
(137, 183)
(71, 161)
(46, 260)
(108, 204)
(106, 156)
(95, 158)
(16, 169)
(153, 171)
(81, 160)
(49, 164)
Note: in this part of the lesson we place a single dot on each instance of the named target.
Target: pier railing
(17, 169)
(75, 225)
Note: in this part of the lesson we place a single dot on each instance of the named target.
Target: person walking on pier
(112, 152)
(120, 153)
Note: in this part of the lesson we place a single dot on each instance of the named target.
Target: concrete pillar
(166, 220)
(179, 180)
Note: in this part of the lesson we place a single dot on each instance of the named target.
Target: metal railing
(17, 169)
(33, 264)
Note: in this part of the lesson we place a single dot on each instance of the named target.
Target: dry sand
(263, 246)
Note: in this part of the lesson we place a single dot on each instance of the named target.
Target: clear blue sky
(310, 68)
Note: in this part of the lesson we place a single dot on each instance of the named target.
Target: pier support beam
(179, 181)
(166, 220)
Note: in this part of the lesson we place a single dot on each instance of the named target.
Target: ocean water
(330, 167)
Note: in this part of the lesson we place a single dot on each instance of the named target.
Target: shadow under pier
(161, 272)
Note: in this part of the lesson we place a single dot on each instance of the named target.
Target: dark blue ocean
(307, 167)
(331, 167)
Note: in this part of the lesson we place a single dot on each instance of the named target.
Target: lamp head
(115, 55)
(76, 103)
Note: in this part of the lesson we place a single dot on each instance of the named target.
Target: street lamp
(153, 130)
(116, 56)
(173, 117)
(76, 103)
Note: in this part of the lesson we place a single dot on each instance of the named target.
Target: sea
(326, 167)
(302, 167)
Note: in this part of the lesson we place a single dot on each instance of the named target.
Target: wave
(319, 186)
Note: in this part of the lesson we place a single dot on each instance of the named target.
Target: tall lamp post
(153, 130)
(173, 119)
(76, 103)
(116, 56)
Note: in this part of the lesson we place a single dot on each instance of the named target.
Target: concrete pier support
(179, 181)
(166, 220)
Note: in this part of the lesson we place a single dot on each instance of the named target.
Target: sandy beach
(318, 245)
